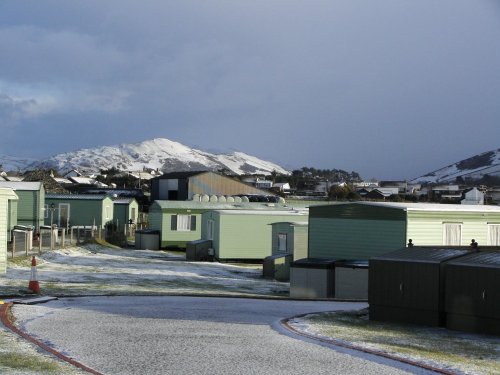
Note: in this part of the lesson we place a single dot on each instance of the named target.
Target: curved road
(191, 335)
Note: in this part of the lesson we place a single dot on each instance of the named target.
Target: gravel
(192, 335)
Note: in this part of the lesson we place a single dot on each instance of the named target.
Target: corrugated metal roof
(481, 259)
(91, 197)
(174, 175)
(21, 185)
(422, 255)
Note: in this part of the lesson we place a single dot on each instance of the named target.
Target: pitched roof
(186, 174)
(13, 178)
(21, 185)
(44, 176)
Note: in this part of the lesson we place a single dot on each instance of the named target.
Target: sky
(391, 89)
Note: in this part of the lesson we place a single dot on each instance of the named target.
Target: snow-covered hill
(161, 153)
(474, 167)
(12, 163)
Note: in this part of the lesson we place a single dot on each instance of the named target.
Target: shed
(244, 234)
(312, 278)
(351, 280)
(147, 239)
(125, 211)
(7, 196)
(30, 204)
(473, 293)
(199, 250)
(183, 185)
(277, 267)
(179, 221)
(289, 243)
(78, 210)
(360, 230)
(407, 285)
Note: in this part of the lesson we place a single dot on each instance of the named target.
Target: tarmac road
(192, 335)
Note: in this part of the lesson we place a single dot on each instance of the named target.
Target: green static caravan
(360, 230)
(125, 210)
(288, 243)
(7, 199)
(30, 204)
(244, 234)
(67, 210)
(179, 221)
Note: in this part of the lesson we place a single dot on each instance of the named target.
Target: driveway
(191, 335)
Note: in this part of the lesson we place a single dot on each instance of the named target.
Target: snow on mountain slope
(474, 167)
(161, 153)
(12, 163)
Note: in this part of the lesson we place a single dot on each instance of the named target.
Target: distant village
(306, 183)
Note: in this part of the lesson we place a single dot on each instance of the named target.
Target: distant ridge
(159, 153)
(487, 163)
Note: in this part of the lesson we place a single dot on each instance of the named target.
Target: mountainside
(487, 163)
(12, 163)
(159, 153)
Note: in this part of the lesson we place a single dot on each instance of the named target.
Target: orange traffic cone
(34, 285)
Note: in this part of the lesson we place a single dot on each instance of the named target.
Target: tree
(343, 192)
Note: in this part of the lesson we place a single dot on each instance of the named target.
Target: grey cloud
(12, 109)
(385, 88)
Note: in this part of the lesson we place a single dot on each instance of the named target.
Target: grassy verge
(19, 357)
(478, 354)
(21, 261)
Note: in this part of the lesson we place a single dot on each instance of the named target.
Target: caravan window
(493, 235)
(452, 234)
(183, 223)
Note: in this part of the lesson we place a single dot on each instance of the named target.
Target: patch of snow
(98, 270)
(451, 172)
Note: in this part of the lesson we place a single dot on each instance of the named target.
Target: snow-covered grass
(451, 350)
(99, 270)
